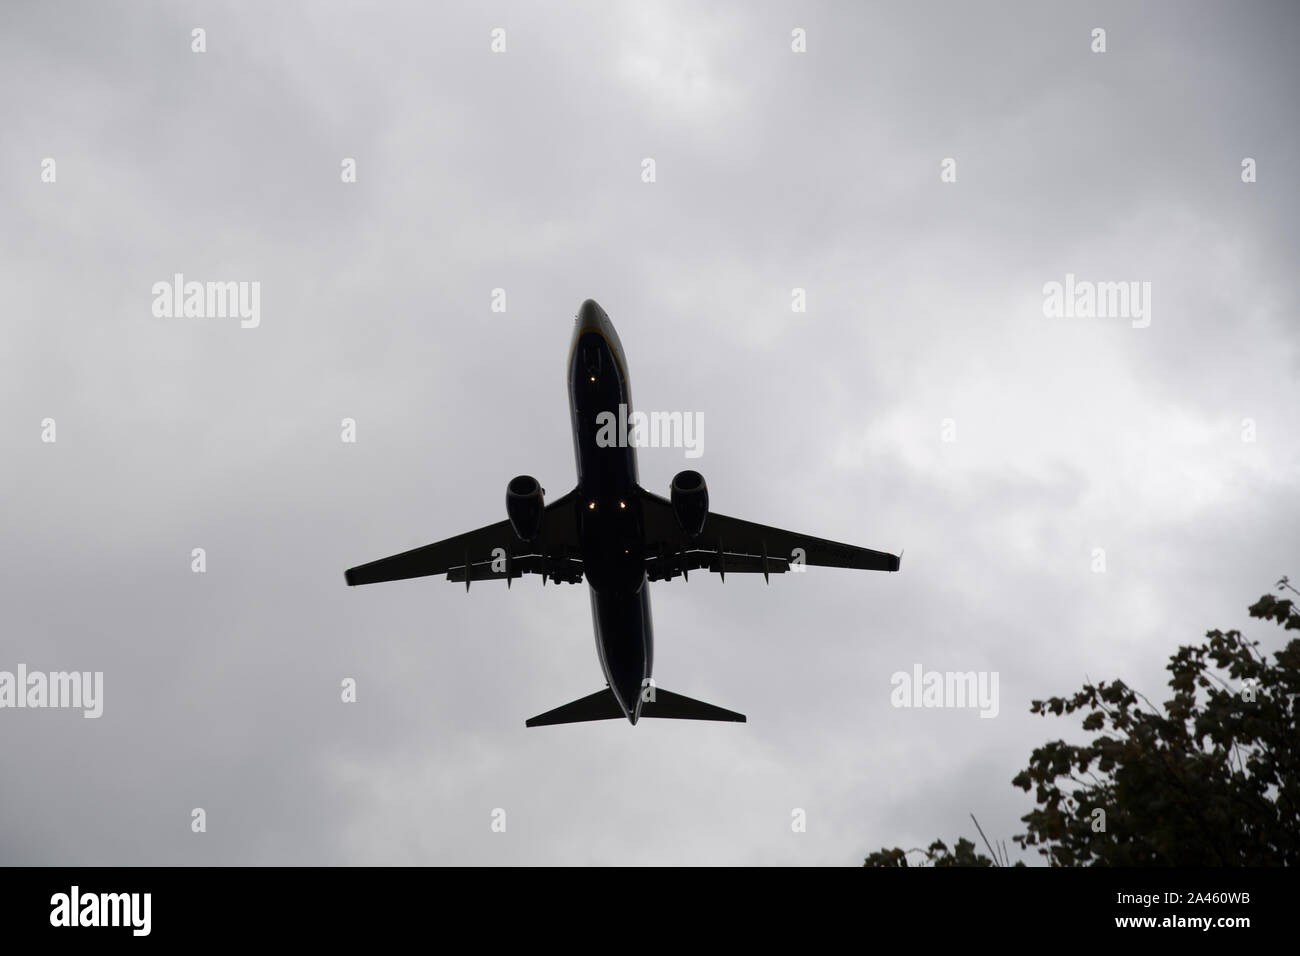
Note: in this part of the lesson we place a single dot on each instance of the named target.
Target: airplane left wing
(733, 544)
(493, 552)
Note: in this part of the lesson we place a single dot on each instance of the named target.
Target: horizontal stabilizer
(598, 706)
(668, 704)
(602, 705)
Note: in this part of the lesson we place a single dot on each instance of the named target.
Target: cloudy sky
(522, 170)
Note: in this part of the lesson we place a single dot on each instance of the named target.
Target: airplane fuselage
(610, 529)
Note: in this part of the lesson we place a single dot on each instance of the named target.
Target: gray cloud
(520, 171)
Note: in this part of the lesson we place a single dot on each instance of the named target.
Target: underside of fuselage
(611, 530)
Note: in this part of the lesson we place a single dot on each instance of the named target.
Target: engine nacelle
(690, 498)
(524, 506)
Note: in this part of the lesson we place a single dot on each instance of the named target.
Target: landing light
(622, 504)
(593, 378)
(591, 506)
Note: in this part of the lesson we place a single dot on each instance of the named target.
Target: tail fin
(602, 705)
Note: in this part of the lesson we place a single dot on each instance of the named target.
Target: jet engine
(690, 498)
(524, 506)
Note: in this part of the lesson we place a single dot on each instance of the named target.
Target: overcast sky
(522, 170)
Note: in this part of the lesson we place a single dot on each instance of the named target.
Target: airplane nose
(591, 315)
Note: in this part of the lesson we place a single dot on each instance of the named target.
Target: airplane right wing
(490, 553)
(733, 544)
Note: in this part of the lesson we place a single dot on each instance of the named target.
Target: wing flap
(561, 570)
(668, 566)
(485, 550)
(736, 544)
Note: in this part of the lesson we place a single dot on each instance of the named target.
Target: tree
(937, 855)
(1210, 779)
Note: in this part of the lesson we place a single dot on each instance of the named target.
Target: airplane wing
(490, 553)
(733, 544)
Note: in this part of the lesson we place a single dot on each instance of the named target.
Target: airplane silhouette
(620, 537)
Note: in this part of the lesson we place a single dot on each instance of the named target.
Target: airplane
(620, 537)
